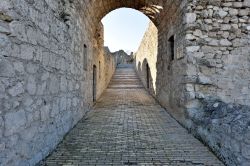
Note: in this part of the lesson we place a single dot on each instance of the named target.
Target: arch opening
(124, 29)
(123, 57)
(50, 50)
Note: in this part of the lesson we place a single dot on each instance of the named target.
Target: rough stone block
(190, 18)
(246, 151)
(32, 68)
(63, 84)
(202, 79)
(45, 112)
(16, 90)
(28, 101)
(222, 13)
(18, 66)
(4, 44)
(42, 88)
(225, 42)
(27, 52)
(29, 133)
(14, 121)
(6, 68)
(192, 48)
(31, 85)
(4, 16)
(2, 88)
(5, 5)
(18, 30)
(55, 109)
(4, 28)
(246, 3)
(54, 85)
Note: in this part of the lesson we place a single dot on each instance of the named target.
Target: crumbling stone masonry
(48, 49)
(218, 51)
(147, 56)
(205, 85)
(46, 61)
(121, 57)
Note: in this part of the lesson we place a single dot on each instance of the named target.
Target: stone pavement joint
(128, 127)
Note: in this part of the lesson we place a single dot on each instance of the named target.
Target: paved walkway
(128, 127)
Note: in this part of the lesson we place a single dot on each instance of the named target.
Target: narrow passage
(128, 127)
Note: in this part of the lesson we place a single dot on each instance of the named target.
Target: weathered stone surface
(54, 85)
(246, 3)
(45, 112)
(233, 12)
(63, 84)
(246, 151)
(122, 57)
(45, 76)
(55, 109)
(4, 28)
(16, 89)
(229, 123)
(14, 121)
(193, 48)
(18, 66)
(190, 18)
(6, 68)
(147, 55)
(29, 133)
(31, 85)
(150, 119)
(2, 88)
(214, 39)
(225, 42)
(27, 52)
(32, 68)
(28, 101)
(42, 88)
(4, 16)
(54, 41)
(202, 79)
(222, 13)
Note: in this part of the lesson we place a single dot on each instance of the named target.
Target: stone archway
(48, 49)
(151, 8)
(164, 24)
(193, 79)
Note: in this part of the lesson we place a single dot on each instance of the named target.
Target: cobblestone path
(128, 127)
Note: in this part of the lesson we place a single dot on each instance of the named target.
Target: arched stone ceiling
(151, 8)
(158, 11)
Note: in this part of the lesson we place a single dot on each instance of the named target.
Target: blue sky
(124, 29)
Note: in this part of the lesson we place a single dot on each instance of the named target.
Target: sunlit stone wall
(147, 55)
(46, 59)
(48, 49)
(206, 85)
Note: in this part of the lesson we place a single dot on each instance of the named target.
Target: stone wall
(122, 57)
(218, 36)
(206, 84)
(147, 55)
(110, 66)
(48, 49)
(166, 81)
(218, 54)
(172, 66)
(46, 59)
(225, 129)
(104, 61)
